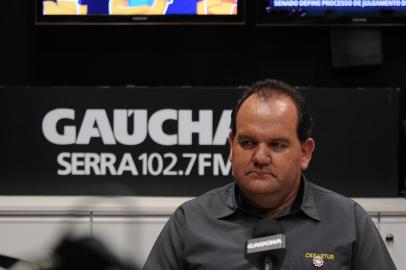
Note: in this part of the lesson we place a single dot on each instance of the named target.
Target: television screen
(331, 12)
(139, 11)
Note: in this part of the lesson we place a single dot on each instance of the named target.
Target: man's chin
(260, 188)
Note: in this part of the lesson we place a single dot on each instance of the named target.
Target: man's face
(266, 155)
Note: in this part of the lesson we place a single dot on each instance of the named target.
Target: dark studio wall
(171, 56)
(174, 56)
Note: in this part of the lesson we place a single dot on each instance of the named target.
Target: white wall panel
(395, 226)
(33, 237)
(130, 237)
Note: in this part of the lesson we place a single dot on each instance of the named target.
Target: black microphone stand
(267, 263)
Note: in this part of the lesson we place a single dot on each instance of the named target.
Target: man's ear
(230, 142)
(307, 148)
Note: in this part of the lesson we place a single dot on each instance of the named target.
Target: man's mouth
(258, 173)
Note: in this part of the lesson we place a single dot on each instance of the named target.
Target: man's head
(270, 143)
(266, 89)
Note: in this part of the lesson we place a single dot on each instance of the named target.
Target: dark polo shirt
(210, 232)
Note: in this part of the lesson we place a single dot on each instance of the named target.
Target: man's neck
(267, 206)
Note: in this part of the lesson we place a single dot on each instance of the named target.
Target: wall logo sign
(95, 125)
(172, 141)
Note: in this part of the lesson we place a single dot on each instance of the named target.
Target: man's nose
(262, 155)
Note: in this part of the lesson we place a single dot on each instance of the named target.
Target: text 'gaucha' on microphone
(267, 249)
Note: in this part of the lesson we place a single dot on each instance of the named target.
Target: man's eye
(247, 143)
(278, 145)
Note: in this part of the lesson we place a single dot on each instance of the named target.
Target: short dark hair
(267, 88)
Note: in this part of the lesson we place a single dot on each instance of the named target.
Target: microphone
(267, 249)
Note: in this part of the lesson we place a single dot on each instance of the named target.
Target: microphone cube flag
(272, 247)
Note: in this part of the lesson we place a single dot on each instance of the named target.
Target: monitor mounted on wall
(332, 12)
(139, 12)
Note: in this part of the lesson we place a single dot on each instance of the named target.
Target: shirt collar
(230, 203)
(307, 204)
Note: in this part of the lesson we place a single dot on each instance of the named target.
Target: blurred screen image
(139, 7)
(334, 8)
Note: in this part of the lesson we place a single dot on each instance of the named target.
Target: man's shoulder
(212, 199)
(327, 198)
(334, 208)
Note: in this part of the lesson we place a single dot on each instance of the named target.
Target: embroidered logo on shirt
(323, 256)
(318, 262)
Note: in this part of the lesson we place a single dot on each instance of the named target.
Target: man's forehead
(276, 114)
(276, 105)
(272, 105)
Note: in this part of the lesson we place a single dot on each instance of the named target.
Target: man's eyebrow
(280, 139)
(243, 136)
(271, 140)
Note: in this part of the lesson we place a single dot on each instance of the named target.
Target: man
(270, 146)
